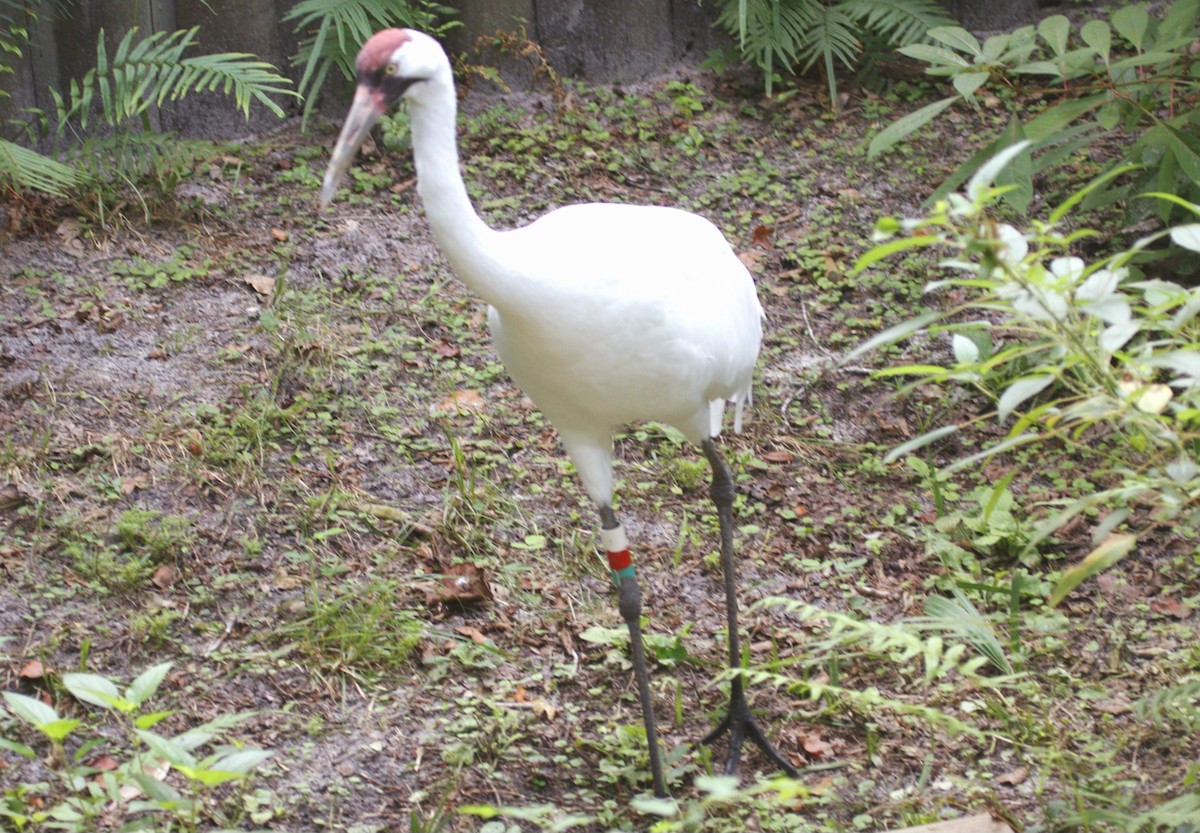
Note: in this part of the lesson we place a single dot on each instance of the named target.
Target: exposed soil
(285, 381)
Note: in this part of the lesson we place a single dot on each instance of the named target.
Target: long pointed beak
(364, 112)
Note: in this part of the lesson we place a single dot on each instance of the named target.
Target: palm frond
(1178, 703)
(136, 155)
(800, 33)
(832, 35)
(24, 168)
(959, 616)
(897, 22)
(153, 70)
(334, 30)
(770, 30)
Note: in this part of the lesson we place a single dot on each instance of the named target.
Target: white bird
(604, 314)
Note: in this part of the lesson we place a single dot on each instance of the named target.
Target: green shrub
(1095, 356)
(1133, 75)
(796, 35)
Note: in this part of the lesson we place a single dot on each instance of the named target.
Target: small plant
(1097, 357)
(1133, 74)
(356, 629)
(140, 777)
(120, 91)
(789, 35)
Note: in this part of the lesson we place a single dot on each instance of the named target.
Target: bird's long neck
(468, 243)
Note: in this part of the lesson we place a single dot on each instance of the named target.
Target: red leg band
(618, 561)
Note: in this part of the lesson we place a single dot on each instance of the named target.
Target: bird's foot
(740, 723)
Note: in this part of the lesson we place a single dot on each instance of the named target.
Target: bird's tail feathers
(716, 412)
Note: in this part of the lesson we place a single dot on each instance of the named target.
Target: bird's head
(393, 64)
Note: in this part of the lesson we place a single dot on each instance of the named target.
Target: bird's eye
(390, 69)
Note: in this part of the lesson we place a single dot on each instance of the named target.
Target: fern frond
(135, 155)
(897, 22)
(960, 618)
(868, 702)
(153, 70)
(832, 35)
(770, 30)
(845, 633)
(238, 73)
(333, 30)
(24, 168)
(1177, 703)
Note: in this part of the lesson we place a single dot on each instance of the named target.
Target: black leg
(629, 602)
(739, 721)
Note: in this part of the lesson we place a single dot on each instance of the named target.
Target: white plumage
(604, 314)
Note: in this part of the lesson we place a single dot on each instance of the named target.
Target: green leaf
(1131, 23)
(931, 54)
(1019, 172)
(1185, 149)
(1039, 68)
(968, 82)
(167, 749)
(243, 760)
(1052, 121)
(1187, 236)
(892, 334)
(1019, 391)
(1055, 30)
(147, 683)
(147, 721)
(650, 805)
(1110, 551)
(1071, 201)
(155, 789)
(919, 442)
(28, 169)
(32, 711)
(94, 689)
(1007, 444)
(598, 635)
(57, 730)
(958, 38)
(990, 170)
(905, 125)
(1097, 35)
(19, 748)
(884, 250)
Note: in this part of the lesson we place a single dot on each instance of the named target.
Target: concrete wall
(598, 40)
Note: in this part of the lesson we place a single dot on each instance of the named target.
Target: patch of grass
(361, 629)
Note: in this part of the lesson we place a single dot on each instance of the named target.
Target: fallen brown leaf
(762, 236)
(32, 670)
(1112, 705)
(283, 581)
(473, 634)
(262, 284)
(460, 584)
(1168, 606)
(543, 709)
(11, 496)
(1013, 777)
(104, 763)
(165, 576)
(814, 746)
(131, 484)
(981, 823)
(461, 401)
